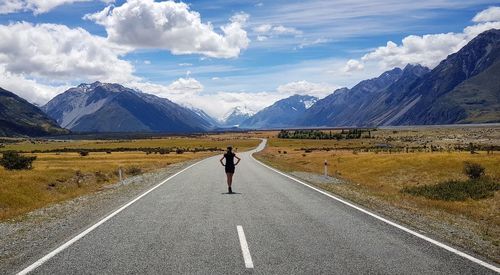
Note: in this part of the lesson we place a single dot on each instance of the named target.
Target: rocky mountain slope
(463, 88)
(104, 107)
(18, 117)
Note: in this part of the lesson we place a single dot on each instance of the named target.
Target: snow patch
(309, 103)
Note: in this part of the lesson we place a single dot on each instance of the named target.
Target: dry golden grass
(205, 141)
(382, 175)
(57, 177)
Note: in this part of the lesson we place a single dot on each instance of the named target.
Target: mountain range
(105, 107)
(463, 88)
(283, 113)
(18, 117)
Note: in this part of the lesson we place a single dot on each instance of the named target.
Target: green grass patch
(455, 190)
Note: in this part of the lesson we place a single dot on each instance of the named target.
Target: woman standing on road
(229, 166)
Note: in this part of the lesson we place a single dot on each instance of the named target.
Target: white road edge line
(90, 229)
(244, 247)
(442, 245)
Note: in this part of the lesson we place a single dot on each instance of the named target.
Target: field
(375, 170)
(60, 172)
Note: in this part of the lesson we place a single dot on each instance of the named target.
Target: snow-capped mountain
(237, 115)
(213, 122)
(283, 113)
(106, 107)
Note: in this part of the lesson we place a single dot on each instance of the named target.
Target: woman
(229, 166)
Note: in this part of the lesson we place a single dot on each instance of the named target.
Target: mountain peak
(415, 69)
(87, 87)
(237, 115)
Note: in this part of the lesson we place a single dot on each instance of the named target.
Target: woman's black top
(229, 162)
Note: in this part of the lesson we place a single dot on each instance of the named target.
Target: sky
(219, 54)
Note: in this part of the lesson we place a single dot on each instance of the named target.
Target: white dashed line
(244, 247)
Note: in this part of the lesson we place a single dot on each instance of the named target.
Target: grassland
(59, 176)
(378, 169)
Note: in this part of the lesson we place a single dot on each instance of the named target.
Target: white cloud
(36, 6)
(182, 87)
(353, 65)
(303, 87)
(308, 43)
(270, 30)
(29, 89)
(280, 29)
(57, 52)
(171, 26)
(262, 38)
(430, 49)
(488, 15)
(147, 62)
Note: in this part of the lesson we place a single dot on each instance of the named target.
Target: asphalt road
(189, 225)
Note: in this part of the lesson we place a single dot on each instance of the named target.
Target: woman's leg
(229, 179)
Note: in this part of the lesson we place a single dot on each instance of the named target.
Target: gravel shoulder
(28, 238)
(439, 225)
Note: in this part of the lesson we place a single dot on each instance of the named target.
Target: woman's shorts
(230, 169)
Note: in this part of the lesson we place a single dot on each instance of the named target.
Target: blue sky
(271, 49)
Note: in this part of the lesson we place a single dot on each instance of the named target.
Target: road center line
(244, 247)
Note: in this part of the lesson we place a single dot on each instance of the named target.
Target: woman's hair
(229, 148)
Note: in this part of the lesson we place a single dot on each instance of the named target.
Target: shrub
(83, 153)
(473, 170)
(163, 151)
(133, 171)
(179, 151)
(100, 177)
(14, 161)
(456, 190)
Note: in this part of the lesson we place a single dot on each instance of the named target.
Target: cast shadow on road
(234, 193)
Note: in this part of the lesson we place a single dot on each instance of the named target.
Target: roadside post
(326, 168)
(120, 175)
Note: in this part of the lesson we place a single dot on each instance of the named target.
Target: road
(189, 224)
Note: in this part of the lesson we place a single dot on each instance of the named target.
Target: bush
(100, 177)
(179, 151)
(83, 153)
(473, 170)
(456, 190)
(14, 161)
(133, 171)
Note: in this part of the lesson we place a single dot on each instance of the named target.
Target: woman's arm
(237, 161)
(221, 161)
